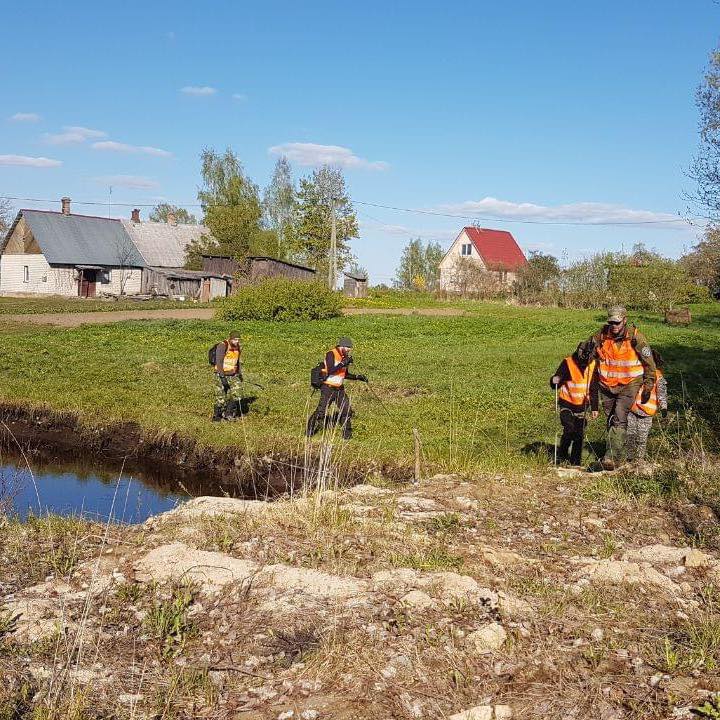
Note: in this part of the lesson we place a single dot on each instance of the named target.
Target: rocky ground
(526, 597)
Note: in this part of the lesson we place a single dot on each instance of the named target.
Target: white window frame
(466, 249)
(26, 273)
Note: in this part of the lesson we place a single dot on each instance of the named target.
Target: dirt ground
(69, 320)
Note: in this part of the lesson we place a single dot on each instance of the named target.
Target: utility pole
(332, 260)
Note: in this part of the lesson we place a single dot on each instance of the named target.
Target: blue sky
(508, 111)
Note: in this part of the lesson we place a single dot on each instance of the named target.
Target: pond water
(69, 489)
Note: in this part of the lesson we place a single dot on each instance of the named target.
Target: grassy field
(58, 304)
(476, 386)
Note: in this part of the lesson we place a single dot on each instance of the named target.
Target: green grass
(59, 304)
(475, 386)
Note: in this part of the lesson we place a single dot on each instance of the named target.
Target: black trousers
(571, 442)
(328, 396)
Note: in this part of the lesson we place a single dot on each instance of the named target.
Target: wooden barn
(255, 268)
(355, 285)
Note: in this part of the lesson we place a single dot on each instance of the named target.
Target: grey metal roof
(162, 244)
(81, 239)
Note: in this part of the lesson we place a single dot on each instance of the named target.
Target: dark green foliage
(281, 300)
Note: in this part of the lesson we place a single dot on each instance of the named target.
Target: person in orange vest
(573, 381)
(335, 371)
(625, 367)
(641, 413)
(228, 378)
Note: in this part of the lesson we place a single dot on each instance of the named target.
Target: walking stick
(557, 420)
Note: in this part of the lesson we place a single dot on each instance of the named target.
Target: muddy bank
(169, 458)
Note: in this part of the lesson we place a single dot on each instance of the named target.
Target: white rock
(597, 634)
(417, 599)
(627, 573)
(309, 715)
(368, 491)
(514, 608)
(414, 503)
(286, 715)
(480, 712)
(668, 555)
(488, 638)
(503, 712)
(211, 506)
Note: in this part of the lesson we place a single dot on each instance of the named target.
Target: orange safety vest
(338, 377)
(619, 364)
(650, 407)
(576, 390)
(231, 359)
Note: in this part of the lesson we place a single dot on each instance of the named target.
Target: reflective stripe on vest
(619, 365)
(231, 360)
(650, 407)
(576, 390)
(338, 377)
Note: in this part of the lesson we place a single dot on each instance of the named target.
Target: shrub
(281, 299)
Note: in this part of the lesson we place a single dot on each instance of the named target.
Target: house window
(26, 273)
(466, 249)
(105, 276)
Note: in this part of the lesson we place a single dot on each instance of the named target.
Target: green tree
(160, 214)
(279, 205)
(309, 242)
(232, 210)
(703, 261)
(419, 267)
(541, 274)
(433, 255)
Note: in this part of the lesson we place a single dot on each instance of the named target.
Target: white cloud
(311, 154)
(24, 160)
(24, 117)
(239, 97)
(137, 182)
(125, 148)
(198, 91)
(73, 135)
(581, 212)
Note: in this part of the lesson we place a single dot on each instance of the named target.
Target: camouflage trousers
(637, 436)
(224, 397)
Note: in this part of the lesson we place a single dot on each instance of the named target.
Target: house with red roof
(494, 251)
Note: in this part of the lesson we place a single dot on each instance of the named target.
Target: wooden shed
(255, 268)
(355, 285)
(191, 284)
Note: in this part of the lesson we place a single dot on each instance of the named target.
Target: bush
(282, 300)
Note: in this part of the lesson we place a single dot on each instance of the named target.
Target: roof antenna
(109, 199)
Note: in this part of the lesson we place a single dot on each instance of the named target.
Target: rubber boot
(217, 414)
(347, 430)
(231, 411)
(615, 454)
(311, 426)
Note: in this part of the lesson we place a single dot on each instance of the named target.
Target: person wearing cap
(228, 378)
(335, 372)
(625, 371)
(573, 381)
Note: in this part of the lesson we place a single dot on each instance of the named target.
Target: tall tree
(232, 210)
(703, 261)
(7, 215)
(160, 214)
(705, 169)
(279, 205)
(310, 242)
(419, 267)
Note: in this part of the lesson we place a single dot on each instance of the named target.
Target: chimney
(135, 215)
(65, 205)
(171, 219)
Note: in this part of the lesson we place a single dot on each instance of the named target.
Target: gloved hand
(347, 361)
(663, 412)
(555, 380)
(225, 383)
(362, 378)
(645, 395)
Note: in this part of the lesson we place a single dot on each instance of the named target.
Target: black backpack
(317, 376)
(212, 354)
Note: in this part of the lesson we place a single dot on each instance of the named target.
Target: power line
(435, 213)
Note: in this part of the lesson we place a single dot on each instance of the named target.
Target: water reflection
(69, 489)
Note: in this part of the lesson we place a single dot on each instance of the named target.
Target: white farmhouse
(58, 253)
(494, 251)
